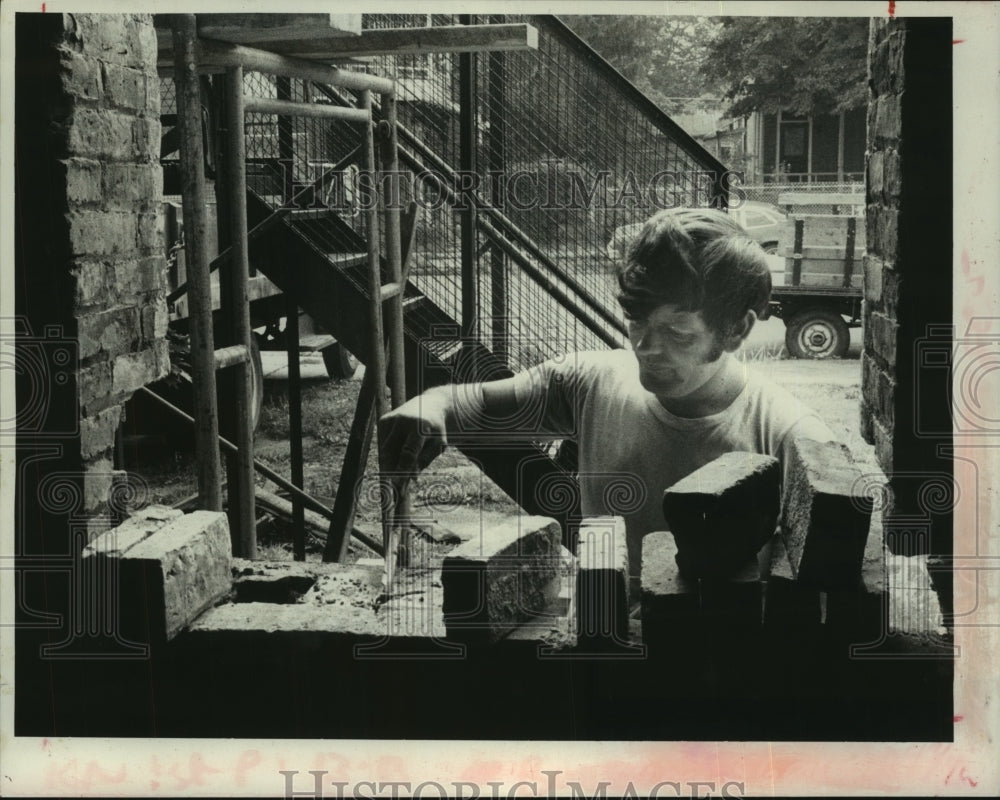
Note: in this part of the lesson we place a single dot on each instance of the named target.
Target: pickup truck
(818, 272)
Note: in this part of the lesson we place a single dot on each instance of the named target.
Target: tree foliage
(802, 65)
(665, 57)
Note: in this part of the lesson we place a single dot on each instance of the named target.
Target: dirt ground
(452, 491)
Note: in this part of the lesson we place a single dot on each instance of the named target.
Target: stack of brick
(94, 260)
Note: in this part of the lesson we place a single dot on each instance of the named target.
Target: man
(692, 286)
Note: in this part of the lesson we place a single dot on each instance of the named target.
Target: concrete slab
(500, 578)
(826, 517)
(722, 514)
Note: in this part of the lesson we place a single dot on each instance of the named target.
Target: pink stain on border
(892, 8)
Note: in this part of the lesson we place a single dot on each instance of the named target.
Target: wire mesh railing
(772, 193)
(565, 152)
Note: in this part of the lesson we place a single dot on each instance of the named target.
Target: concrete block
(668, 599)
(722, 514)
(602, 582)
(132, 186)
(141, 525)
(171, 568)
(826, 516)
(496, 580)
(102, 133)
(789, 606)
(94, 387)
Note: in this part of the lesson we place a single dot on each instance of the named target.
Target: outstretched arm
(414, 434)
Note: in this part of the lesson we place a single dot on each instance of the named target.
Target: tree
(663, 56)
(809, 65)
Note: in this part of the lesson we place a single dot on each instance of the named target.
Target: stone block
(102, 133)
(133, 370)
(141, 525)
(602, 601)
(883, 332)
(83, 180)
(124, 87)
(90, 282)
(723, 513)
(496, 580)
(888, 117)
(669, 600)
(80, 75)
(113, 331)
(873, 175)
(94, 387)
(873, 278)
(97, 432)
(100, 233)
(134, 187)
(169, 570)
(148, 233)
(826, 516)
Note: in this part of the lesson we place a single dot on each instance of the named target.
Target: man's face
(678, 354)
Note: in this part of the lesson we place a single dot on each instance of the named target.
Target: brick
(83, 180)
(124, 87)
(826, 515)
(97, 433)
(724, 512)
(114, 331)
(169, 576)
(495, 581)
(602, 601)
(101, 233)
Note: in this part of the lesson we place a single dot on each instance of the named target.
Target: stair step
(348, 260)
(297, 214)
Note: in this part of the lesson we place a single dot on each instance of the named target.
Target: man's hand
(413, 435)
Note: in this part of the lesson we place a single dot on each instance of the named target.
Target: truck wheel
(817, 333)
(339, 361)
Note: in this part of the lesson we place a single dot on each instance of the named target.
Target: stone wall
(90, 266)
(905, 409)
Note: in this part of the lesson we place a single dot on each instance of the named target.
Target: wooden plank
(246, 28)
(829, 275)
(821, 199)
(412, 41)
(821, 253)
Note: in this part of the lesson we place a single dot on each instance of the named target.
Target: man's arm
(414, 434)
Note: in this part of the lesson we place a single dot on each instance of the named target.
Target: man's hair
(699, 260)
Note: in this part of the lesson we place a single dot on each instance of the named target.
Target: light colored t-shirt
(631, 448)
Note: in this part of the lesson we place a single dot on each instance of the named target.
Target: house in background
(782, 147)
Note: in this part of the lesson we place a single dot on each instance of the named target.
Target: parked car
(763, 221)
